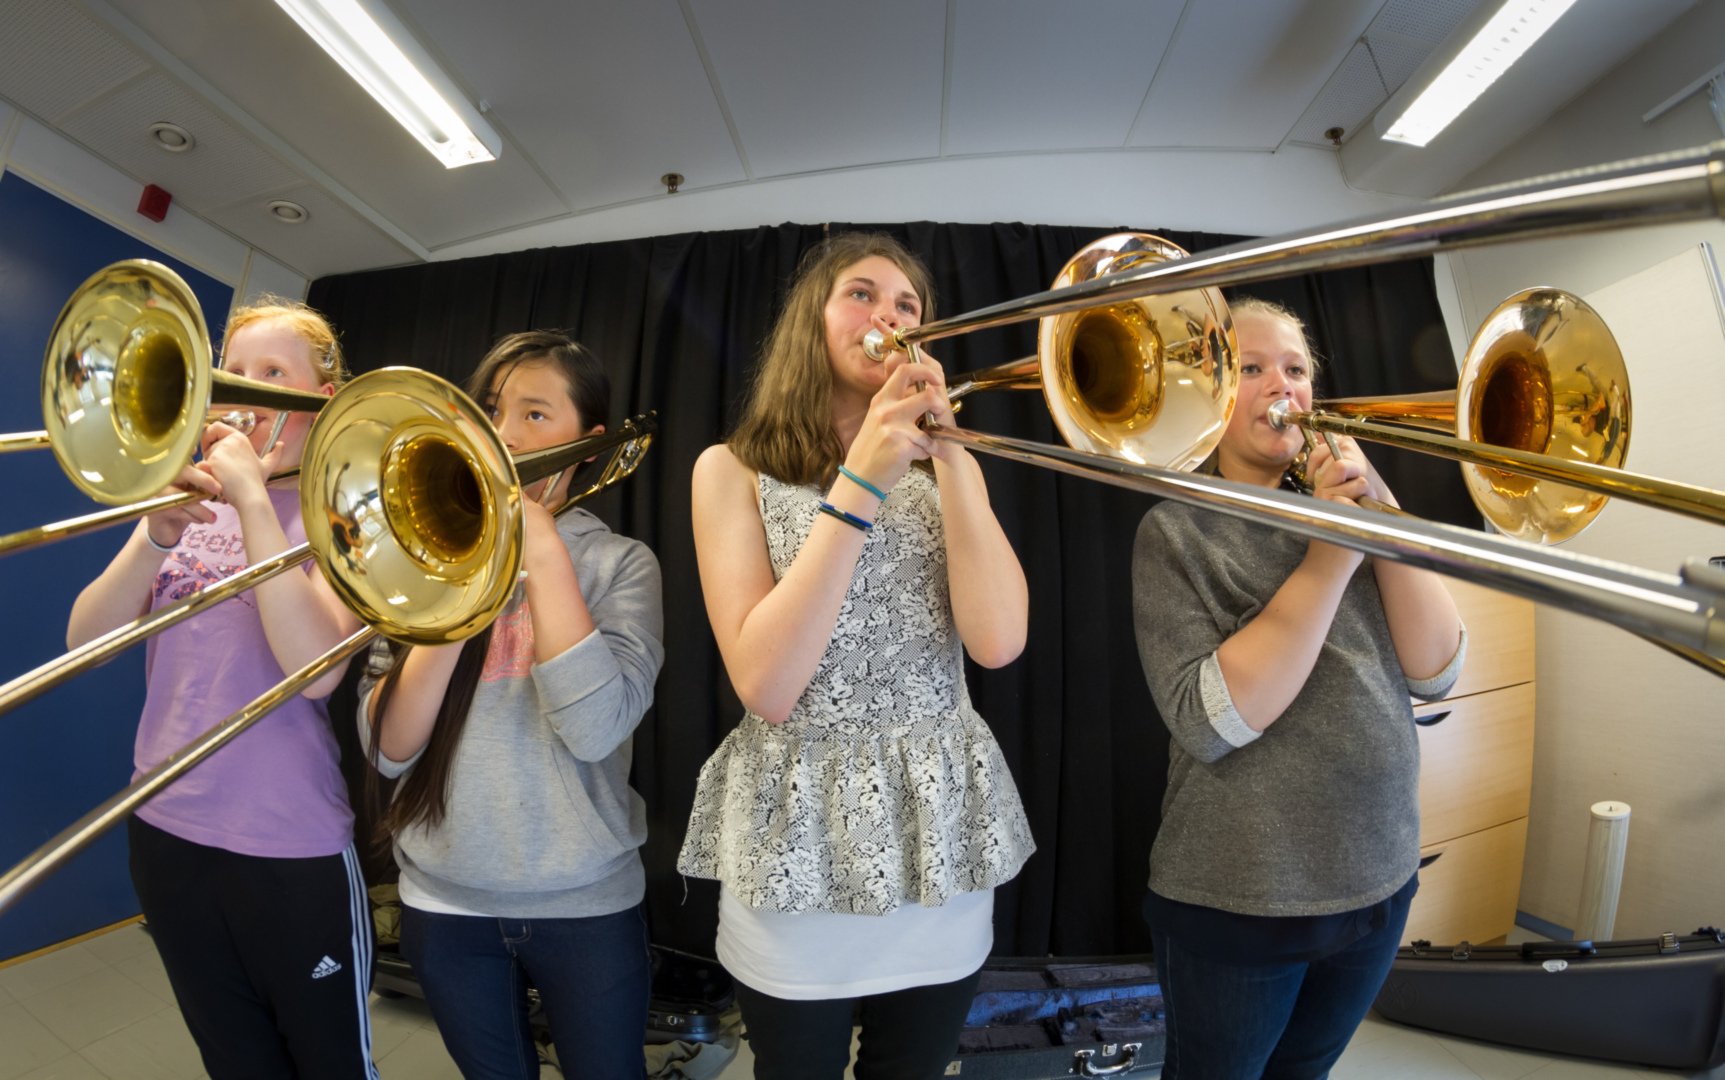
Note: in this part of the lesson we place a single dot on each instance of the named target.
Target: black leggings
(906, 1035)
(270, 959)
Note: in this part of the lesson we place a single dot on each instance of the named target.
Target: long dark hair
(422, 796)
(787, 428)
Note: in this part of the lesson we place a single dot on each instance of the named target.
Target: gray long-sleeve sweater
(541, 820)
(1319, 813)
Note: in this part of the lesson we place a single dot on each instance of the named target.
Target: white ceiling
(596, 99)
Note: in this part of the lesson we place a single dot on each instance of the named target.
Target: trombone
(1543, 396)
(414, 515)
(1133, 375)
(127, 384)
(433, 507)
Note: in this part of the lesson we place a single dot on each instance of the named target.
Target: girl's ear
(597, 429)
(327, 389)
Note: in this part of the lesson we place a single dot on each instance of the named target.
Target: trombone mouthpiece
(877, 346)
(1278, 414)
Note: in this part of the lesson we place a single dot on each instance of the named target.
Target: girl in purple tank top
(245, 869)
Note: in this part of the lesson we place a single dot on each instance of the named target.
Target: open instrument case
(1653, 1001)
(1043, 1017)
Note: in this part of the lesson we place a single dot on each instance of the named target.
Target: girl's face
(530, 405)
(272, 351)
(872, 294)
(1274, 365)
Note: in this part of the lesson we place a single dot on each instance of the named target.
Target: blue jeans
(1275, 1021)
(593, 975)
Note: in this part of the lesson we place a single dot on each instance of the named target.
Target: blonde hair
(328, 363)
(787, 429)
(1251, 305)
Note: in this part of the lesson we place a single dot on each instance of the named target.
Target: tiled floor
(102, 1010)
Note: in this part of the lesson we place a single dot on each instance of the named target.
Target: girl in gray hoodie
(514, 824)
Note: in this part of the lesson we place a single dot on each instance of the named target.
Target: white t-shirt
(814, 955)
(414, 897)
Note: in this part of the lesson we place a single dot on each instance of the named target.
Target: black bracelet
(849, 519)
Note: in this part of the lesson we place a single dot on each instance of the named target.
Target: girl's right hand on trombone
(165, 526)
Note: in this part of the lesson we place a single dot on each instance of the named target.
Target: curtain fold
(678, 321)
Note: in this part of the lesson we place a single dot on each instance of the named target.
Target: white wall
(56, 163)
(1615, 717)
(1211, 190)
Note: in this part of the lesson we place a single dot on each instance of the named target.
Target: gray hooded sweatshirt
(541, 820)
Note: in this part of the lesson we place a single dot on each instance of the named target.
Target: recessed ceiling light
(290, 213)
(171, 137)
(1500, 43)
(367, 39)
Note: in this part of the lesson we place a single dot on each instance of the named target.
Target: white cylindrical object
(1602, 879)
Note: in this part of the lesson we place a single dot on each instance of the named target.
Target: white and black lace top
(883, 784)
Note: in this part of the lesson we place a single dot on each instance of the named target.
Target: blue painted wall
(68, 750)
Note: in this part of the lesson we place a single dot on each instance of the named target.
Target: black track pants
(270, 959)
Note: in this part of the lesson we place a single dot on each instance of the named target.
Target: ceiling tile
(1429, 21)
(1348, 98)
(259, 57)
(332, 240)
(1240, 73)
(54, 58)
(223, 165)
(821, 86)
(607, 96)
(1030, 75)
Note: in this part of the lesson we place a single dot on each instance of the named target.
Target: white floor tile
(121, 944)
(70, 1067)
(393, 1021)
(1400, 1055)
(420, 1057)
(1492, 1062)
(1577, 1069)
(92, 1007)
(29, 1045)
(46, 972)
(147, 971)
(155, 1048)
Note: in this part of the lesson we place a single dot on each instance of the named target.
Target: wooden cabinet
(1476, 773)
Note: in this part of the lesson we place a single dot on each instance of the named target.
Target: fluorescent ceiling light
(1500, 43)
(358, 35)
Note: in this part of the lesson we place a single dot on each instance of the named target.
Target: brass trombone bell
(1543, 376)
(127, 380)
(1150, 379)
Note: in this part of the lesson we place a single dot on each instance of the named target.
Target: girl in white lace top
(860, 816)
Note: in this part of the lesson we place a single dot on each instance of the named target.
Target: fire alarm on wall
(154, 204)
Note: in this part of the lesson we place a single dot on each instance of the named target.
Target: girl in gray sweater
(514, 824)
(1281, 876)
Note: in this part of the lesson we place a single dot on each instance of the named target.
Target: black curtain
(678, 321)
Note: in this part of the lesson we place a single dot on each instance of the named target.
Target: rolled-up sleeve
(1178, 637)
(1434, 688)
(595, 692)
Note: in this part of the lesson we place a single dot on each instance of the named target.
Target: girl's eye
(535, 414)
(1297, 372)
(1249, 369)
(907, 307)
(277, 373)
(860, 294)
(490, 411)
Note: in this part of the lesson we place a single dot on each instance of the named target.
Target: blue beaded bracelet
(849, 519)
(866, 486)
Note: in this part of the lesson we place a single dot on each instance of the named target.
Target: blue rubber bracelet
(849, 519)
(866, 486)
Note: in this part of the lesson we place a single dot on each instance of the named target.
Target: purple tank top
(275, 790)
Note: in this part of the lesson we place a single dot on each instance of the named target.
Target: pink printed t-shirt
(276, 790)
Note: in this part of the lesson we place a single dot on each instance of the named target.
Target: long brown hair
(423, 794)
(787, 429)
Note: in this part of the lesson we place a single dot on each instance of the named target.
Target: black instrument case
(1657, 1001)
(1042, 1018)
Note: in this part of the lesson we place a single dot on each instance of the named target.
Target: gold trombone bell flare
(127, 381)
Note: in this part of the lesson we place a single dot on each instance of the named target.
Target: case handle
(1128, 1059)
(1427, 860)
(1434, 718)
